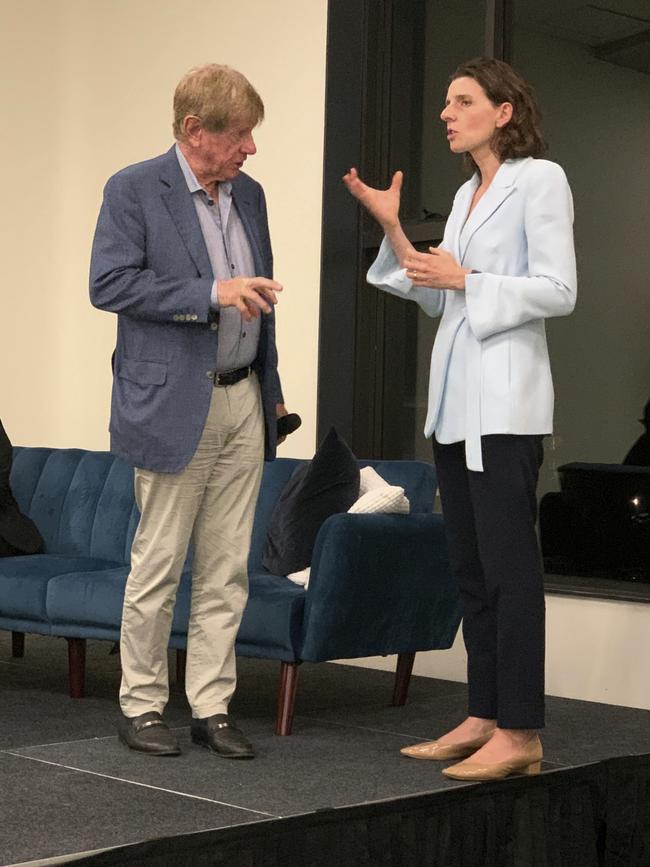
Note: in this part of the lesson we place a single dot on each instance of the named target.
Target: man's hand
(280, 410)
(436, 269)
(250, 295)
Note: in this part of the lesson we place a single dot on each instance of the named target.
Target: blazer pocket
(143, 372)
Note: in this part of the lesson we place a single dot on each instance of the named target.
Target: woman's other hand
(383, 205)
(436, 269)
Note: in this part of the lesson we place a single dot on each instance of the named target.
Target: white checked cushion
(376, 495)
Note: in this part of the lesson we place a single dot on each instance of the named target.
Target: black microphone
(288, 424)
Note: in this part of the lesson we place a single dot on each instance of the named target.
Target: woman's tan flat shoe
(437, 752)
(527, 761)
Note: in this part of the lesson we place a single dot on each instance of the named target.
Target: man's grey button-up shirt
(230, 256)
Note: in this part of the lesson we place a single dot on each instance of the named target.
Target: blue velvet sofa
(379, 584)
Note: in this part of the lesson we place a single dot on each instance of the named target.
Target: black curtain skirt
(595, 815)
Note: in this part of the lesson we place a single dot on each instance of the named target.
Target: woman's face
(471, 117)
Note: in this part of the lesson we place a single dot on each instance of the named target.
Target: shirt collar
(190, 178)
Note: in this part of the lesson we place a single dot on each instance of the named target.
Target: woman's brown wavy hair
(522, 135)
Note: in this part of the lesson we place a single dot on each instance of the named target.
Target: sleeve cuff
(214, 296)
(385, 271)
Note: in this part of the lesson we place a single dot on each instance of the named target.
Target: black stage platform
(336, 792)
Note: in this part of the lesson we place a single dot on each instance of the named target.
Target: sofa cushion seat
(94, 598)
(270, 627)
(87, 597)
(24, 581)
(272, 618)
(272, 622)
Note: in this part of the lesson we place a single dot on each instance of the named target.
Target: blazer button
(214, 326)
(175, 317)
(209, 373)
(194, 317)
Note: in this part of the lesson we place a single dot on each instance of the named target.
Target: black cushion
(326, 485)
(18, 533)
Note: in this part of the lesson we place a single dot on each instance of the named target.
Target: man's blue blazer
(150, 266)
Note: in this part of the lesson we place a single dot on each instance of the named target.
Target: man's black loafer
(148, 734)
(220, 734)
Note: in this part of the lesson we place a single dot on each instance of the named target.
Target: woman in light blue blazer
(506, 263)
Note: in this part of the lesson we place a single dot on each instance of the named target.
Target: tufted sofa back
(83, 503)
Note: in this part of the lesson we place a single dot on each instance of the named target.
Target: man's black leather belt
(230, 377)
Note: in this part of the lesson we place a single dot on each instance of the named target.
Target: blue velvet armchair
(380, 584)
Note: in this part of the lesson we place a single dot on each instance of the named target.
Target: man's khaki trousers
(212, 503)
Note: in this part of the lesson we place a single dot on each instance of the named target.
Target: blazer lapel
(245, 211)
(503, 184)
(462, 207)
(178, 200)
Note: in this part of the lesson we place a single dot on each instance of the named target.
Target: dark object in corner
(18, 533)
(639, 454)
(598, 524)
(328, 484)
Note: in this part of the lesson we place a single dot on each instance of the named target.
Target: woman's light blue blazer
(520, 238)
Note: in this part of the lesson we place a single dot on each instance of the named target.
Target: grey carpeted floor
(67, 785)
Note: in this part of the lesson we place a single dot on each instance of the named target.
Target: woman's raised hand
(383, 205)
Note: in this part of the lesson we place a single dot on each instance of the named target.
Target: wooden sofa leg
(181, 663)
(402, 678)
(18, 644)
(77, 666)
(286, 697)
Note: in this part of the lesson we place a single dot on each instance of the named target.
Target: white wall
(87, 89)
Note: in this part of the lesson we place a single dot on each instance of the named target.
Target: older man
(182, 255)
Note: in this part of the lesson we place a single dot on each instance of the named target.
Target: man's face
(221, 155)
